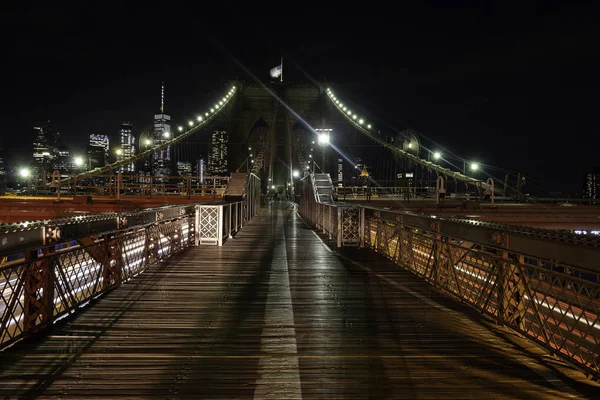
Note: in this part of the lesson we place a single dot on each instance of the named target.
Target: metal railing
(61, 265)
(42, 285)
(340, 221)
(406, 193)
(120, 184)
(543, 284)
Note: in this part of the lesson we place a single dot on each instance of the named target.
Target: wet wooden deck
(277, 314)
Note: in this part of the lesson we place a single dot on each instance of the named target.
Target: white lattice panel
(209, 225)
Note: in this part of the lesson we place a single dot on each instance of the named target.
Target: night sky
(513, 86)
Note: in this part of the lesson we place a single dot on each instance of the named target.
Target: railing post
(236, 205)
(230, 228)
(330, 221)
(111, 273)
(250, 195)
(241, 213)
(511, 292)
(220, 226)
(38, 275)
(339, 226)
(197, 226)
(361, 227)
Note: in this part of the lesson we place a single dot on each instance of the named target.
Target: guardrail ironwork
(49, 269)
(545, 284)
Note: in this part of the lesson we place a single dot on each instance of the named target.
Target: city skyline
(486, 83)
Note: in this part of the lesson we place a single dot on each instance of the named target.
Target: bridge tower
(265, 117)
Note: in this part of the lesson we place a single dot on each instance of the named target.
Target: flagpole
(281, 80)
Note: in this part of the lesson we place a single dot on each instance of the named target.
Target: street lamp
(119, 152)
(78, 161)
(296, 173)
(148, 142)
(24, 172)
(323, 138)
(437, 155)
(474, 166)
(323, 141)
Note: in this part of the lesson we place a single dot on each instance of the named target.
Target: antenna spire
(162, 98)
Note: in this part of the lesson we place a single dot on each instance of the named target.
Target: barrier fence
(542, 283)
(56, 269)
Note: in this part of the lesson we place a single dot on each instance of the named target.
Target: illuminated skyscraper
(45, 152)
(97, 151)
(199, 170)
(184, 168)
(63, 161)
(217, 155)
(100, 141)
(127, 146)
(162, 133)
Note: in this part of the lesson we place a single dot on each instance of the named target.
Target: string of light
(193, 125)
(203, 118)
(352, 117)
(366, 128)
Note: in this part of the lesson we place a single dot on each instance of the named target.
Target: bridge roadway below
(277, 314)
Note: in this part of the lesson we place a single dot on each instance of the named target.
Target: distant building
(45, 151)
(63, 161)
(162, 133)
(96, 157)
(217, 155)
(97, 151)
(184, 168)
(102, 142)
(340, 172)
(127, 146)
(591, 186)
(200, 169)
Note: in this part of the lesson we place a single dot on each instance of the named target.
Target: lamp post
(78, 161)
(25, 175)
(323, 140)
(436, 156)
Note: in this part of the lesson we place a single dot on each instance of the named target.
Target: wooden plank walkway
(277, 314)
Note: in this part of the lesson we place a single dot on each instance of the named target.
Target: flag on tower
(277, 71)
